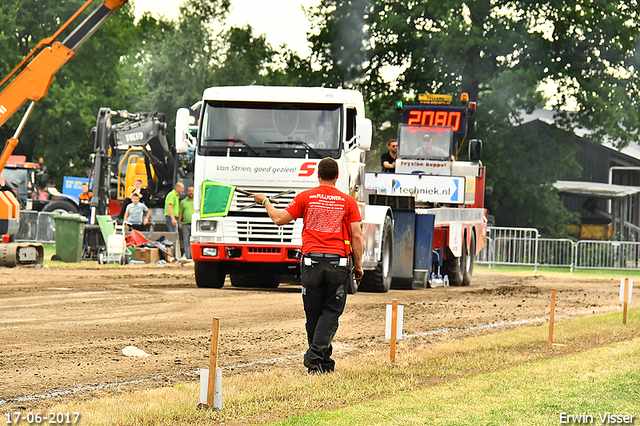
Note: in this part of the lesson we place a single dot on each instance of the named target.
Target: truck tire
(378, 280)
(209, 274)
(471, 257)
(457, 268)
(60, 206)
(255, 280)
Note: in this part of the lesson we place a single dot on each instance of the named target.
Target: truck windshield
(270, 129)
(425, 142)
(18, 178)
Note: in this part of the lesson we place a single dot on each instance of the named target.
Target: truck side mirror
(364, 130)
(182, 130)
(475, 149)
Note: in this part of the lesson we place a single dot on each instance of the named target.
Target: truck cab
(22, 177)
(446, 196)
(270, 140)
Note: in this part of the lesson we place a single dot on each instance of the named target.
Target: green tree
(182, 58)
(178, 57)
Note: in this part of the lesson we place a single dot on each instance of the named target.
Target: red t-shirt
(325, 211)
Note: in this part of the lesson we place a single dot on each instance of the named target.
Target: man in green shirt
(172, 207)
(184, 221)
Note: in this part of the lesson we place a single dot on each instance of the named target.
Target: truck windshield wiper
(306, 145)
(231, 140)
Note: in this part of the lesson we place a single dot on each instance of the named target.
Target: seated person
(242, 132)
(137, 214)
(143, 196)
(427, 150)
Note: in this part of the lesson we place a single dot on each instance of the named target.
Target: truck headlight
(210, 251)
(207, 225)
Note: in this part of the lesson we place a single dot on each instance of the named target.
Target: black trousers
(324, 295)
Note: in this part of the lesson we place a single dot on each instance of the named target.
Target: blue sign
(72, 186)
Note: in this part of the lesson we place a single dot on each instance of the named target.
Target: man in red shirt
(331, 232)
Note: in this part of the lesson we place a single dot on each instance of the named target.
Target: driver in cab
(429, 151)
(241, 133)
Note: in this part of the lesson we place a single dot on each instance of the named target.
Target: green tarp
(216, 199)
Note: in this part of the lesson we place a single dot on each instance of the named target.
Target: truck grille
(241, 203)
(258, 232)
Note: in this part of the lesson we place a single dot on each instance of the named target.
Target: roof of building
(595, 189)
(549, 117)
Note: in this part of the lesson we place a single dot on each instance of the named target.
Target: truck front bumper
(248, 253)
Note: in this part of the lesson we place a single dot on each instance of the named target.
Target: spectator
(172, 207)
(83, 201)
(388, 159)
(184, 221)
(137, 214)
(143, 194)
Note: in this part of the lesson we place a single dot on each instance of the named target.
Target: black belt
(329, 255)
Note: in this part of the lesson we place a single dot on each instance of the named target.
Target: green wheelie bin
(69, 237)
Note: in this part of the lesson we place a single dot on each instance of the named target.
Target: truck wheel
(456, 267)
(379, 279)
(255, 280)
(60, 206)
(470, 260)
(209, 274)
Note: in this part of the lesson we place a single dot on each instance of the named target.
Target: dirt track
(64, 329)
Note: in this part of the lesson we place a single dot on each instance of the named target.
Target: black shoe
(316, 369)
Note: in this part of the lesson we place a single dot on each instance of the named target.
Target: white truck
(270, 140)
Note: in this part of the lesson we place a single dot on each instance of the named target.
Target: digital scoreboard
(436, 116)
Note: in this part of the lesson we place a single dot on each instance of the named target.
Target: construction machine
(135, 148)
(30, 81)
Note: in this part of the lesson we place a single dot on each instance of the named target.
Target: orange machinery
(31, 81)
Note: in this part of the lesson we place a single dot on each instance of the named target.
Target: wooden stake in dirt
(552, 315)
(213, 361)
(626, 301)
(394, 325)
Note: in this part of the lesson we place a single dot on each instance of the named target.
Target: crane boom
(33, 77)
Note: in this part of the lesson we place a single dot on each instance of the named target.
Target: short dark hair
(327, 169)
(135, 194)
(392, 141)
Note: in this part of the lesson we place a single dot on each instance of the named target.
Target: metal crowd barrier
(36, 227)
(512, 246)
(607, 254)
(524, 247)
(556, 252)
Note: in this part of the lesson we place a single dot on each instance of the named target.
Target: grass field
(510, 378)
(546, 271)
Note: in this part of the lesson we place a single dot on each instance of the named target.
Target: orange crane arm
(33, 78)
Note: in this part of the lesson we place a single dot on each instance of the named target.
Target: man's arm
(279, 217)
(357, 247)
(146, 219)
(171, 214)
